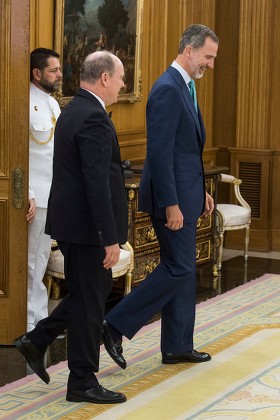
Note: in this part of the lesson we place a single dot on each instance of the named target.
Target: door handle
(18, 184)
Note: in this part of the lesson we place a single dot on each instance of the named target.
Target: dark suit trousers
(81, 312)
(171, 288)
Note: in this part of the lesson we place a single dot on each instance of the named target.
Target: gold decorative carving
(144, 236)
(145, 252)
(18, 187)
(143, 219)
(209, 186)
(145, 267)
(203, 251)
(203, 223)
(131, 194)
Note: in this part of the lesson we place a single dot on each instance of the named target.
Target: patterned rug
(241, 329)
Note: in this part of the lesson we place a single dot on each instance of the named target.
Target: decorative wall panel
(4, 77)
(3, 248)
(254, 74)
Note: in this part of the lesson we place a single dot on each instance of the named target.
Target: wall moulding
(4, 82)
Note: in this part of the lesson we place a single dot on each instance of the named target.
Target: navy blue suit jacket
(173, 170)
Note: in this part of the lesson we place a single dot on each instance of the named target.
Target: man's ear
(188, 50)
(104, 79)
(37, 74)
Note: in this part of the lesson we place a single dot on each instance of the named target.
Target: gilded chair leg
(216, 244)
(128, 280)
(215, 270)
(56, 289)
(246, 242)
(220, 250)
(217, 284)
(48, 283)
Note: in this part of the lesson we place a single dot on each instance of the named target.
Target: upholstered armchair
(232, 217)
(55, 269)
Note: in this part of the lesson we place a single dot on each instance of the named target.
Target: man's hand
(175, 219)
(112, 255)
(209, 205)
(31, 211)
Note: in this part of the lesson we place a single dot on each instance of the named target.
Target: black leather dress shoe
(96, 395)
(189, 357)
(114, 349)
(33, 356)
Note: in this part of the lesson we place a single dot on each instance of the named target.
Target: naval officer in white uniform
(45, 77)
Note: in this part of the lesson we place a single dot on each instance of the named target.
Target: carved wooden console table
(142, 237)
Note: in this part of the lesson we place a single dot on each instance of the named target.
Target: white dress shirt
(183, 72)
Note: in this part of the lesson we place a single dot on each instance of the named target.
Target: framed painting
(85, 26)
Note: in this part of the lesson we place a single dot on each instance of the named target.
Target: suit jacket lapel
(187, 97)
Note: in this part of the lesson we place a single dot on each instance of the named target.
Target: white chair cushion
(56, 262)
(123, 262)
(234, 215)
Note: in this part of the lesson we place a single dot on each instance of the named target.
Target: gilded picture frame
(94, 26)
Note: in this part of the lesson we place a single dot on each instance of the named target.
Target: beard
(199, 72)
(49, 87)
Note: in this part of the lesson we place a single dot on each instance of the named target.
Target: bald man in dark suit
(87, 215)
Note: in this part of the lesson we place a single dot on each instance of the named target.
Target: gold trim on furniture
(232, 217)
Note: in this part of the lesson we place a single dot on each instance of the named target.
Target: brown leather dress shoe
(187, 357)
(113, 348)
(33, 356)
(96, 395)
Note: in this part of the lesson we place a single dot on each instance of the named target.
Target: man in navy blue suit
(172, 191)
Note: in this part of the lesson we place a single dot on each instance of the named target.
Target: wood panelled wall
(246, 105)
(238, 99)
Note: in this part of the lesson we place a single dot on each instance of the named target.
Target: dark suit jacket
(87, 203)
(173, 170)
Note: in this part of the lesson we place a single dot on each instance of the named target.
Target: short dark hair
(97, 63)
(195, 36)
(39, 59)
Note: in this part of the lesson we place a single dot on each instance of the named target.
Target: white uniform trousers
(39, 246)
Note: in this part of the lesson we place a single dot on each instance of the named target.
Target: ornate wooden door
(14, 115)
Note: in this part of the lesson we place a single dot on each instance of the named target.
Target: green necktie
(193, 92)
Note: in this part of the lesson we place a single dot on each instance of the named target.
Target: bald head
(102, 73)
(97, 63)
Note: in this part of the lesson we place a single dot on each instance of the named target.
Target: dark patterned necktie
(193, 92)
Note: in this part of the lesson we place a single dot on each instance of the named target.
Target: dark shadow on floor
(234, 272)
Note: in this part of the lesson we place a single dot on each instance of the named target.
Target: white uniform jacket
(44, 111)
